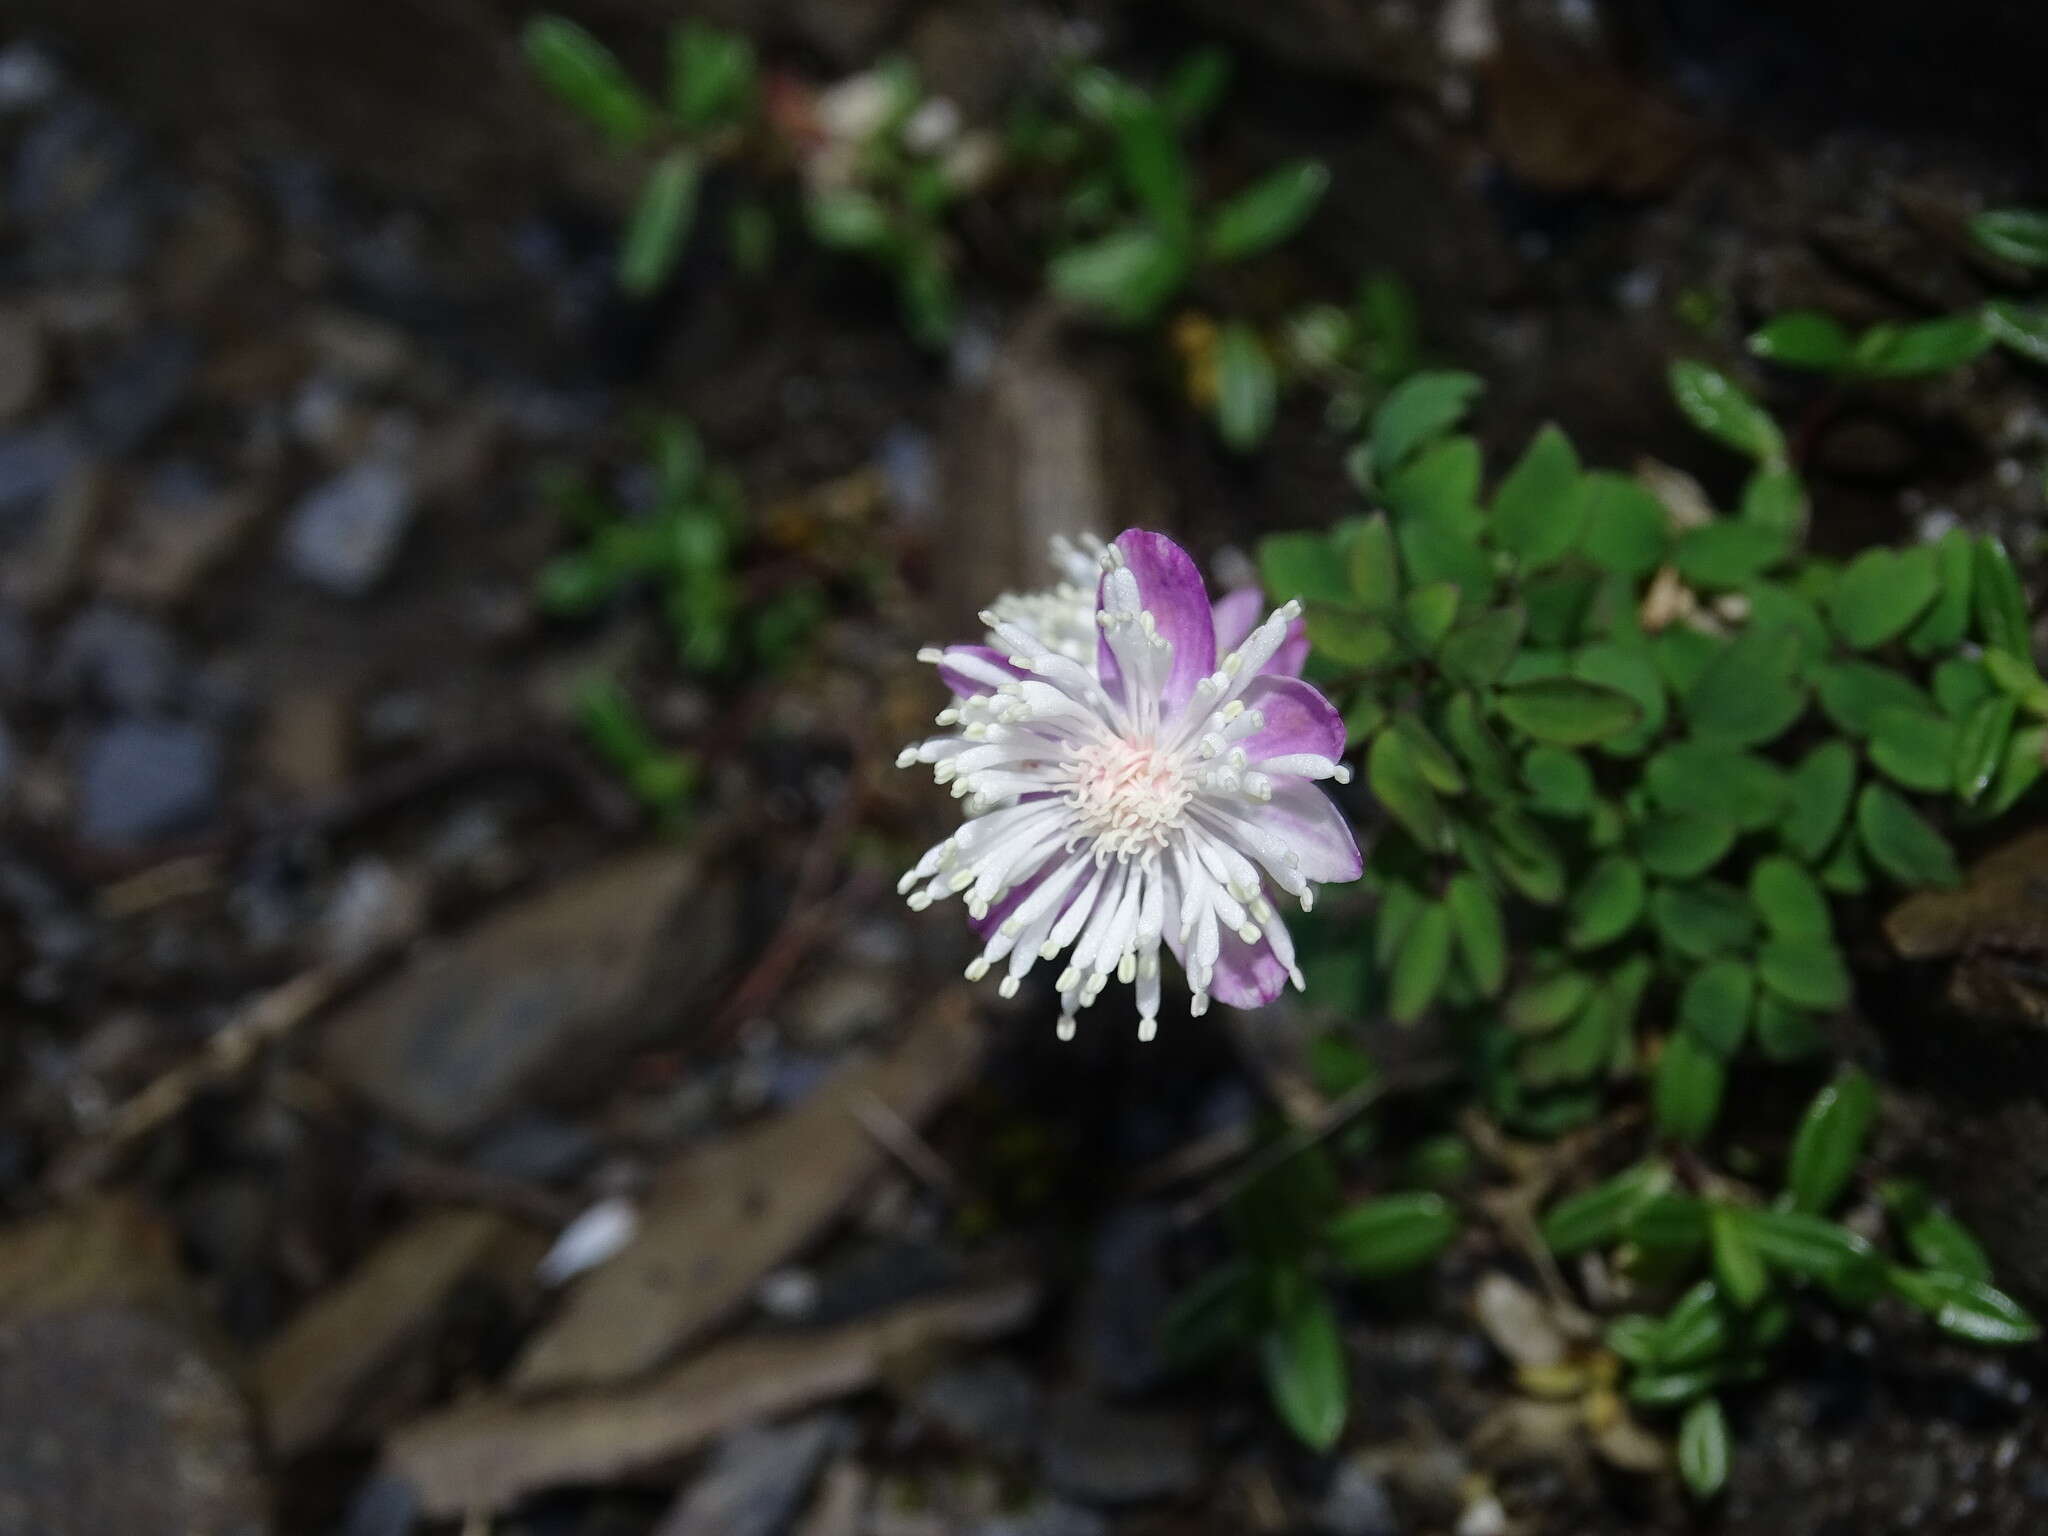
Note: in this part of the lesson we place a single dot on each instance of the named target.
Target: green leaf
(1802, 1244)
(1196, 85)
(1440, 486)
(1149, 157)
(1680, 844)
(1902, 842)
(1960, 685)
(1712, 780)
(1687, 1089)
(1844, 872)
(1374, 567)
(1268, 211)
(1218, 1312)
(1397, 782)
(1804, 338)
(1808, 972)
(2017, 235)
(1784, 1031)
(1478, 651)
(2001, 603)
(1420, 409)
(660, 223)
(1714, 1006)
(1247, 389)
(1420, 967)
(1567, 712)
(1746, 695)
(1632, 670)
(1439, 556)
(2018, 679)
(1967, 1308)
(1981, 746)
(2022, 767)
(710, 76)
(1482, 936)
(1789, 900)
(1703, 1448)
(1714, 404)
(1935, 1238)
(1633, 1336)
(1303, 1359)
(1432, 759)
(1830, 1141)
(1527, 859)
(847, 219)
(1580, 1051)
(1724, 553)
(1349, 639)
(1560, 783)
(2019, 328)
(1536, 511)
(1599, 1216)
(1429, 612)
(1683, 655)
(1126, 274)
(1914, 747)
(1392, 1234)
(1773, 498)
(1622, 527)
(1702, 919)
(1606, 905)
(589, 78)
(1670, 1225)
(1539, 1006)
(1903, 350)
(1947, 619)
(1738, 1267)
(1853, 694)
(1304, 566)
(1881, 593)
(1671, 1389)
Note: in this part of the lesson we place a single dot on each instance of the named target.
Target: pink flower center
(1129, 795)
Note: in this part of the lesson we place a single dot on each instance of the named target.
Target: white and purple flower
(1145, 794)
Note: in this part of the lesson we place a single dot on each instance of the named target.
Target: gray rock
(111, 1420)
(991, 1403)
(1047, 1517)
(135, 393)
(342, 535)
(537, 996)
(140, 781)
(1111, 1456)
(110, 656)
(1357, 1505)
(17, 652)
(23, 363)
(1117, 1323)
(33, 463)
(536, 1149)
(6, 761)
(384, 1506)
(755, 1481)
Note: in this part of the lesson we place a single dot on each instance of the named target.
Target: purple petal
(1247, 975)
(1240, 612)
(1298, 719)
(1170, 589)
(1310, 824)
(965, 687)
(1237, 614)
(1012, 899)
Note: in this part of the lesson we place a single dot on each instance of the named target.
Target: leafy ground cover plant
(707, 113)
(681, 544)
(1630, 755)
(1809, 339)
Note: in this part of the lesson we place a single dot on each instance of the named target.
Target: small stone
(112, 1420)
(384, 1506)
(181, 528)
(303, 748)
(536, 1149)
(33, 463)
(342, 535)
(1357, 1505)
(119, 659)
(1109, 1456)
(140, 781)
(1047, 1517)
(1117, 1323)
(756, 1481)
(374, 908)
(28, 78)
(989, 1403)
(22, 363)
(137, 392)
(50, 500)
(541, 991)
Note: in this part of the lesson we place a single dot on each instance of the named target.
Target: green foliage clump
(1811, 340)
(1628, 763)
(1731, 1263)
(684, 549)
(706, 114)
